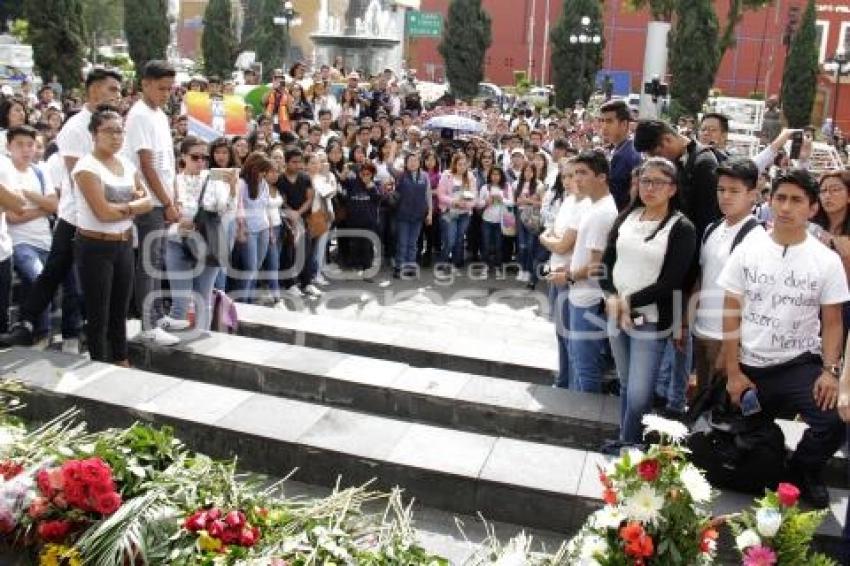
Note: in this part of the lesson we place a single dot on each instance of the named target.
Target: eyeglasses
(646, 183)
(199, 157)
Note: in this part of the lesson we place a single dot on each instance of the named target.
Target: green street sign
(424, 24)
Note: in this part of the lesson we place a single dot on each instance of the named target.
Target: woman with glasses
(831, 224)
(643, 279)
(109, 193)
(191, 278)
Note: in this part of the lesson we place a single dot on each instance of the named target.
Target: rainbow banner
(210, 118)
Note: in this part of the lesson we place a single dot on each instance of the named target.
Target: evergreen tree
(801, 71)
(268, 40)
(466, 38)
(219, 40)
(570, 59)
(104, 22)
(694, 56)
(249, 21)
(57, 32)
(147, 28)
(9, 12)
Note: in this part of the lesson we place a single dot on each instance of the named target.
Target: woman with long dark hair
(13, 113)
(495, 196)
(254, 196)
(431, 234)
(301, 107)
(456, 193)
(644, 277)
(412, 208)
(528, 192)
(833, 221)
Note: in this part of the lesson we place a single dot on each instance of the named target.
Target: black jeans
(152, 238)
(106, 271)
(5, 292)
(300, 252)
(785, 391)
(58, 269)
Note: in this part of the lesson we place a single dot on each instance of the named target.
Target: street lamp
(290, 17)
(585, 35)
(840, 65)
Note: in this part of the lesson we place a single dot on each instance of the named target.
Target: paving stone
(444, 450)
(112, 387)
(273, 417)
(198, 402)
(536, 466)
(497, 392)
(353, 433)
(432, 382)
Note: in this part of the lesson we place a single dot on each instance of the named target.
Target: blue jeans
(671, 382)
(491, 242)
(271, 263)
(29, 261)
(251, 254)
(407, 232)
(320, 248)
(528, 246)
(230, 234)
(452, 231)
(637, 355)
(188, 285)
(588, 335)
(559, 305)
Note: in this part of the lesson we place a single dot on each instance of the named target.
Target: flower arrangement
(776, 533)
(217, 530)
(656, 508)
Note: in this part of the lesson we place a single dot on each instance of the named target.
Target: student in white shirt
(736, 192)
(782, 328)
(103, 87)
(29, 229)
(149, 147)
(587, 320)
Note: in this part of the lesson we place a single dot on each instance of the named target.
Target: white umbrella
(454, 122)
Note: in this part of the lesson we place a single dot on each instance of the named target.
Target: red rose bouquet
(72, 495)
(219, 531)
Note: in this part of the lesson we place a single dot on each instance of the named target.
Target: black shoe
(812, 489)
(20, 335)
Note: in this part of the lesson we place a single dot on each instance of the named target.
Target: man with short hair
(325, 122)
(149, 146)
(297, 190)
(587, 324)
(615, 118)
(714, 132)
(782, 328)
(737, 181)
(103, 87)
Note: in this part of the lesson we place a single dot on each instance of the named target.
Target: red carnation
(38, 507)
(95, 471)
(788, 494)
(249, 537)
(10, 469)
(214, 514)
(75, 494)
(649, 470)
(72, 471)
(706, 539)
(609, 496)
(196, 522)
(43, 482)
(54, 531)
(107, 503)
(230, 535)
(632, 531)
(235, 519)
(216, 528)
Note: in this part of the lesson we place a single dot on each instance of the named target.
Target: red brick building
(755, 64)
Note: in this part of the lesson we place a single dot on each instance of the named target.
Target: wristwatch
(833, 369)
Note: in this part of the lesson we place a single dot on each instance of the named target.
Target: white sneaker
(281, 305)
(320, 280)
(160, 337)
(312, 290)
(294, 291)
(71, 345)
(173, 324)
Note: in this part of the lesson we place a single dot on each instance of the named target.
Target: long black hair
(673, 206)
(231, 155)
(821, 219)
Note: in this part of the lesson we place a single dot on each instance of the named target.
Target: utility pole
(530, 73)
(543, 65)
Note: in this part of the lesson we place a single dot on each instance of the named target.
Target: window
(822, 31)
(844, 37)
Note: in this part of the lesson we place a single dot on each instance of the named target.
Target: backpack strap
(748, 227)
(40, 175)
(709, 229)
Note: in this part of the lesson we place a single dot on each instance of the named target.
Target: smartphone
(218, 173)
(796, 145)
(750, 403)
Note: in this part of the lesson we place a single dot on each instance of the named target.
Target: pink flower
(788, 494)
(235, 519)
(38, 507)
(759, 556)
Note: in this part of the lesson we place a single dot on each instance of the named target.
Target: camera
(796, 144)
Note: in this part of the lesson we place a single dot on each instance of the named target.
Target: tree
(56, 31)
(104, 22)
(269, 41)
(219, 40)
(9, 12)
(694, 56)
(574, 65)
(147, 28)
(799, 80)
(249, 21)
(661, 10)
(466, 38)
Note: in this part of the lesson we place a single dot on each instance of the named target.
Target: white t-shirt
(639, 261)
(216, 198)
(783, 290)
(73, 140)
(568, 218)
(713, 256)
(118, 188)
(592, 236)
(35, 232)
(5, 239)
(147, 128)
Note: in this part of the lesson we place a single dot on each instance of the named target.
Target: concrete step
(524, 483)
(452, 338)
(439, 397)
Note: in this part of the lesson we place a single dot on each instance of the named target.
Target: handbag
(208, 226)
(318, 221)
(508, 221)
(531, 218)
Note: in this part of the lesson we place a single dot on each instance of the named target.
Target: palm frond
(139, 530)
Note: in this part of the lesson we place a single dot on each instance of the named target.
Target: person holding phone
(643, 278)
(278, 103)
(782, 327)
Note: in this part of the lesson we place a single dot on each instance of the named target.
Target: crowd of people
(658, 246)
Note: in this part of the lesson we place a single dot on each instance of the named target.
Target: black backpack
(745, 454)
(739, 237)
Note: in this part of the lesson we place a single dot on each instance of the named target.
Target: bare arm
(737, 382)
(27, 215)
(152, 179)
(563, 245)
(593, 267)
(46, 203)
(92, 189)
(10, 201)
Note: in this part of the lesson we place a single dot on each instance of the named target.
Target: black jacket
(698, 186)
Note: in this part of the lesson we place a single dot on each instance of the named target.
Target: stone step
(520, 482)
(449, 338)
(440, 397)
